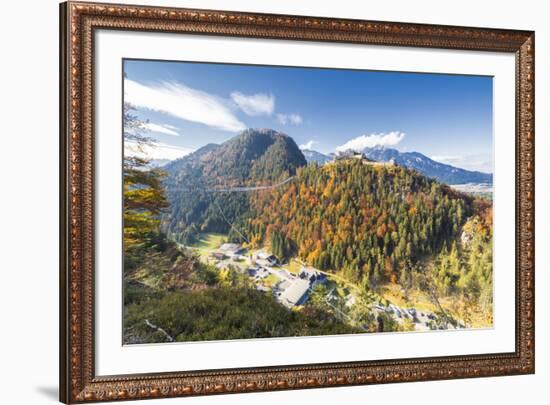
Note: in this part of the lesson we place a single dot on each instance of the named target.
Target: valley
(415, 312)
(346, 245)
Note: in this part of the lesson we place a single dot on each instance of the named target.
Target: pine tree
(144, 197)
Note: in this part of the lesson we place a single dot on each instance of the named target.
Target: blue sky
(447, 117)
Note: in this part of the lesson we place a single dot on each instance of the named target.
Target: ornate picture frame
(78, 379)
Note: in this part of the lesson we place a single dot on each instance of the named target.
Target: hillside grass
(455, 306)
(206, 242)
(294, 266)
(271, 280)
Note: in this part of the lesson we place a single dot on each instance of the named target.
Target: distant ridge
(313, 156)
(428, 167)
(265, 154)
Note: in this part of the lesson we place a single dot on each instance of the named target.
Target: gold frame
(78, 381)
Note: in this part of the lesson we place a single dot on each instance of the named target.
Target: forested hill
(372, 222)
(256, 157)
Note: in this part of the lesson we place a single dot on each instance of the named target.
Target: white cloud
(155, 151)
(294, 119)
(183, 102)
(447, 158)
(372, 140)
(481, 163)
(308, 145)
(161, 128)
(254, 104)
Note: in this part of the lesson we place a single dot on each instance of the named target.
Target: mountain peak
(312, 156)
(253, 155)
(380, 147)
(428, 167)
(262, 131)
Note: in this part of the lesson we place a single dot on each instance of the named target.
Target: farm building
(266, 259)
(295, 294)
(314, 276)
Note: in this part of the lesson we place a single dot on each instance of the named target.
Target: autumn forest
(246, 239)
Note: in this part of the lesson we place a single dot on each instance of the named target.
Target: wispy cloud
(161, 128)
(482, 163)
(254, 104)
(183, 102)
(447, 158)
(157, 150)
(294, 119)
(372, 140)
(308, 145)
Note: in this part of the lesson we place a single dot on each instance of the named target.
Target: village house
(349, 154)
(295, 293)
(266, 259)
(257, 273)
(353, 155)
(312, 275)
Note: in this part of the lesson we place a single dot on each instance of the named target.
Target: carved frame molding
(78, 21)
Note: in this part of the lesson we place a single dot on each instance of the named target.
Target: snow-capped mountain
(313, 156)
(441, 172)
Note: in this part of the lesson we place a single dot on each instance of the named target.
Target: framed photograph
(256, 202)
